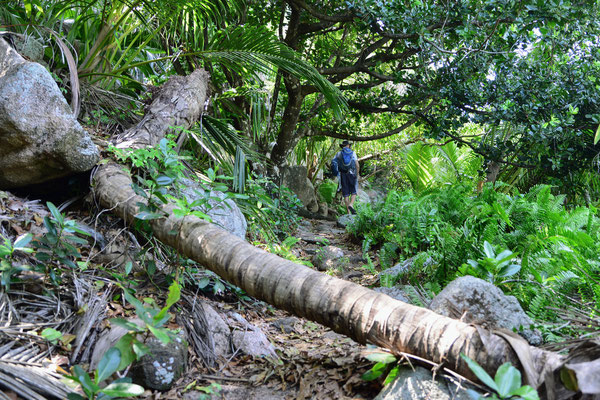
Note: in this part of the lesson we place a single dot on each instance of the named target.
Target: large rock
(223, 212)
(478, 301)
(296, 178)
(417, 384)
(40, 139)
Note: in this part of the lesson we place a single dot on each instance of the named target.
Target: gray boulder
(327, 257)
(163, 365)
(40, 138)
(419, 384)
(223, 212)
(296, 178)
(483, 303)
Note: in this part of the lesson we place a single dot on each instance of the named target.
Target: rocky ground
(307, 360)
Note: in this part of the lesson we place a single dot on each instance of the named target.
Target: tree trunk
(345, 307)
(178, 104)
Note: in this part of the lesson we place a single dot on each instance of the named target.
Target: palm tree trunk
(345, 307)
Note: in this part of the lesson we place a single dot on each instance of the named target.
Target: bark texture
(345, 307)
(179, 103)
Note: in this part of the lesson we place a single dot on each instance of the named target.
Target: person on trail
(346, 162)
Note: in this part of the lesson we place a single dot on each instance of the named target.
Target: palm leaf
(256, 50)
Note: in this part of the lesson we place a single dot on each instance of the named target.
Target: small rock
(419, 384)
(345, 220)
(393, 292)
(323, 209)
(353, 274)
(252, 341)
(285, 325)
(305, 224)
(327, 257)
(394, 273)
(218, 329)
(484, 303)
(363, 197)
(164, 365)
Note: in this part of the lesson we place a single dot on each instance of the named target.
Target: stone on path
(345, 220)
(40, 138)
(327, 257)
(419, 384)
(478, 301)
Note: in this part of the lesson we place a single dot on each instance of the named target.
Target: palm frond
(256, 50)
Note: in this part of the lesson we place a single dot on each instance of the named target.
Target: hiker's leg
(347, 203)
(352, 198)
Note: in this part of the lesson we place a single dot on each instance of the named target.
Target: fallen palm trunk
(345, 307)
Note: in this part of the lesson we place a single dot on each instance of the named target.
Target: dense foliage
(442, 229)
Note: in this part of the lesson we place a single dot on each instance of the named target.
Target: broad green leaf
(128, 267)
(527, 393)
(55, 213)
(480, 373)
(75, 396)
(125, 347)
(51, 335)
(597, 136)
(23, 241)
(161, 334)
(509, 270)
(108, 365)
(392, 375)
(123, 389)
(164, 180)
(508, 379)
(505, 256)
(172, 298)
(488, 250)
(381, 357)
(85, 381)
(147, 216)
(140, 349)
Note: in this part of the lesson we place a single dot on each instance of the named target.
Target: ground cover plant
(531, 245)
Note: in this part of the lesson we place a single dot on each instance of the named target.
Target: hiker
(346, 162)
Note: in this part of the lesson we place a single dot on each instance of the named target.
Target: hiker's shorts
(349, 183)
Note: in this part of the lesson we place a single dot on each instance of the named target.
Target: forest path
(316, 363)
(316, 234)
